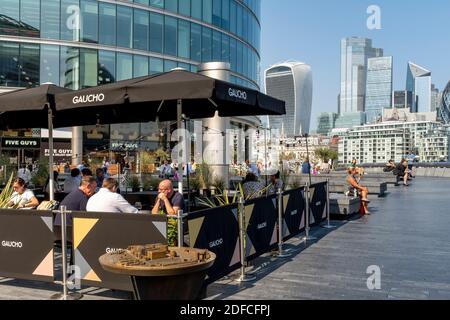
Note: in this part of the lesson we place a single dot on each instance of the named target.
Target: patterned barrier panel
(26, 248)
(293, 213)
(95, 234)
(218, 231)
(261, 216)
(318, 203)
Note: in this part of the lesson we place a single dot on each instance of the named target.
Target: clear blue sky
(311, 30)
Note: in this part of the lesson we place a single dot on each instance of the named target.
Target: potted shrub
(151, 183)
(205, 178)
(134, 184)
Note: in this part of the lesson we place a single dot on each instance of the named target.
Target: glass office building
(444, 108)
(418, 81)
(379, 87)
(84, 43)
(355, 52)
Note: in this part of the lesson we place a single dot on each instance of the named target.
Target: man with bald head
(168, 201)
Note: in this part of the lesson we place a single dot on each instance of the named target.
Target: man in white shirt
(24, 174)
(108, 200)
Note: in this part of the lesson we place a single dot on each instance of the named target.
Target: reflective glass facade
(354, 55)
(81, 43)
(379, 87)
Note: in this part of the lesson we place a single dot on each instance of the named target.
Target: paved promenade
(407, 237)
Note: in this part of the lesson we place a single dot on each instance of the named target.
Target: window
(142, 2)
(140, 66)
(170, 36)
(29, 65)
(50, 19)
(233, 54)
(184, 38)
(196, 42)
(141, 31)
(9, 64)
(107, 23)
(171, 5)
(88, 68)
(10, 9)
(225, 48)
(29, 16)
(156, 32)
(70, 20)
(240, 52)
(157, 3)
(197, 10)
(89, 21)
(169, 65)
(207, 11)
(124, 26)
(217, 13)
(107, 67)
(226, 14)
(206, 44)
(217, 46)
(49, 71)
(69, 68)
(233, 17)
(184, 7)
(124, 66)
(156, 66)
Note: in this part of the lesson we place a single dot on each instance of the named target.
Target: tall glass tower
(354, 55)
(418, 81)
(379, 87)
(444, 108)
(293, 83)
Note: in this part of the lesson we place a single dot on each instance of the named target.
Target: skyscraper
(291, 82)
(418, 81)
(354, 55)
(434, 98)
(444, 108)
(326, 122)
(379, 87)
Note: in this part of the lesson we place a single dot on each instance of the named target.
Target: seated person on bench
(354, 184)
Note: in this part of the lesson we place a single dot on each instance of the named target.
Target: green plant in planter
(134, 183)
(40, 177)
(195, 184)
(205, 175)
(218, 184)
(6, 194)
(151, 183)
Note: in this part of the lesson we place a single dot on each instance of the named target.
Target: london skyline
(410, 32)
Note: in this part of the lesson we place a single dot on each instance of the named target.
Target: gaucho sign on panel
(26, 245)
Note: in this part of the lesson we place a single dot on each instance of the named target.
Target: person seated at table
(168, 201)
(252, 187)
(75, 201)
(72, 182)
(100, 177)
(275, 183)
(354, 184)
(108, 200)
(22, 198)
(403, 172)
(86, 172)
